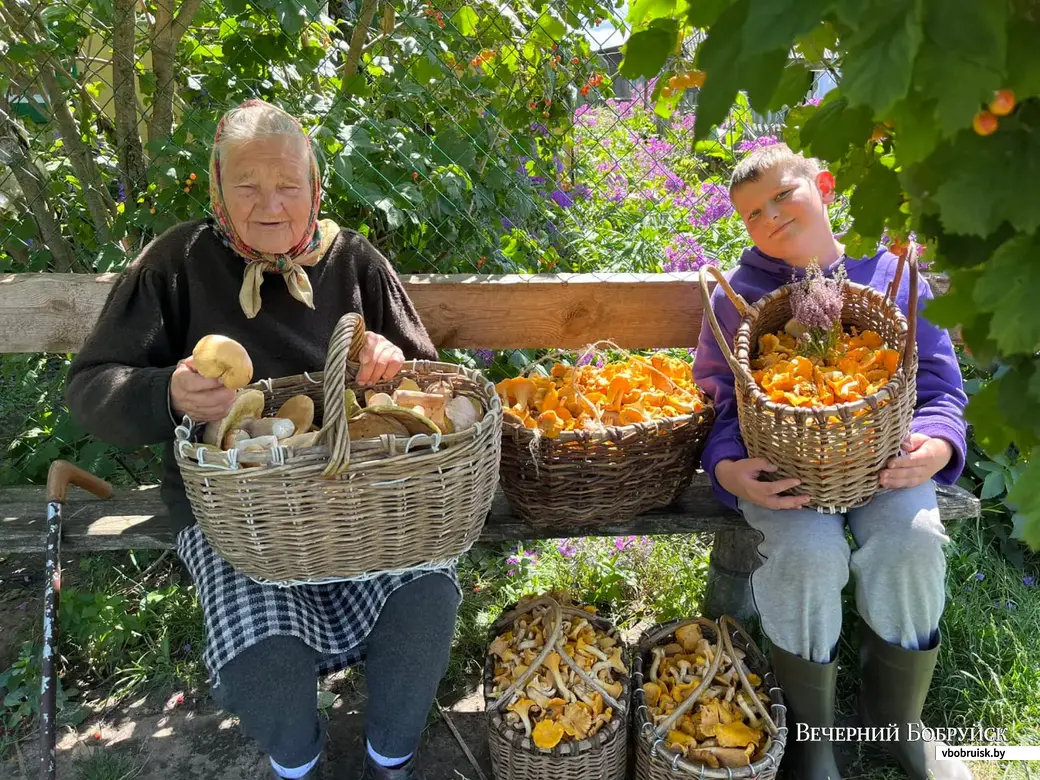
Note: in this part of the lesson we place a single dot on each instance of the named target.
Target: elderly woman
(134, 381)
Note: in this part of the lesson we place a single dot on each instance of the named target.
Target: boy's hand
(923, 458)
(740, 477)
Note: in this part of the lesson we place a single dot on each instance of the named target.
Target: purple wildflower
(817, 302)
(539, 129)
(567, 549)
(513, 560)
(122, 193)
(979, 576)
(507, 223)
(685, 254)
(624, 542)
(581, 191)
(562, 199)
(585, 358)
(813, 101)
(757, 143)
(1029, 581)
(485, 356)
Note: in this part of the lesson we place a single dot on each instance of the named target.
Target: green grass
(131, 624)
(106, 764)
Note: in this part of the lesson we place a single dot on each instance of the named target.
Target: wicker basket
(654, 760)
(836, 451)
(342, 509)
(514, 756)
(601, 477)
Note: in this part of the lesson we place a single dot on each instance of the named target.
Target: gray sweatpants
(898, 562)
(272, 686)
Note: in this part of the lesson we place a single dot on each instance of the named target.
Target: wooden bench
(55, 312)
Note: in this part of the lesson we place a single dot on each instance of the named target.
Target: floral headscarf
(309, 251)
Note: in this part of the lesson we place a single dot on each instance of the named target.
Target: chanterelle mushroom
(658, 655)
(521, 708)
(553, 662)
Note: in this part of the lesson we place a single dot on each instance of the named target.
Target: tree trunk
(357, 38)
(124, 88)
(99, 202)
(14, 151)
(166, 34)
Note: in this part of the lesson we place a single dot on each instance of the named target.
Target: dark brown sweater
(184, 285)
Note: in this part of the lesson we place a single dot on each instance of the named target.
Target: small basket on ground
(662, 748)
(347, 509)
(608, 475)
(837, 451)
(514, 754)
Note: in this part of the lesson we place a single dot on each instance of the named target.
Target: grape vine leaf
(1007, 289)
(1025, 497)
(773, 24)
(878, 68)
(835, 127)
(647, 50)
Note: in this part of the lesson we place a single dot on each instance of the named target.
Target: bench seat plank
(137, 519)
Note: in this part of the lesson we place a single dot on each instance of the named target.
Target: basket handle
(909, 257)
(748, 687)
(550, 644)
(690, 700)
(345, 345)
(738, 302)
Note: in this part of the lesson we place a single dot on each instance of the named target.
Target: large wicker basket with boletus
(556, 694)
(706, 704)
(366, 490)
(837, 451)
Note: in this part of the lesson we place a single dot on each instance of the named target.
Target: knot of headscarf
(311, 248)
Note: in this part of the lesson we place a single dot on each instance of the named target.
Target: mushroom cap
(249, 404)
(299, 409)
(219, 357)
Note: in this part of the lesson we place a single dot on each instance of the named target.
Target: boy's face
(785, 213)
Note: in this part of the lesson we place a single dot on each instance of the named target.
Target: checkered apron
(238, 612)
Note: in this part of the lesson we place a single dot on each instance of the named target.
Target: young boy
(899, 563)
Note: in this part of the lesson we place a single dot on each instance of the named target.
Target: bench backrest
(55, 312)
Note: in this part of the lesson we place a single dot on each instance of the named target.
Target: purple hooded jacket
(940, 391)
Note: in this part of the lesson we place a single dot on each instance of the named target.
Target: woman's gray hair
(251, 123)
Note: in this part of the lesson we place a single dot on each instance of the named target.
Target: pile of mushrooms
(725, 727)
(408, 411)
(556, 704)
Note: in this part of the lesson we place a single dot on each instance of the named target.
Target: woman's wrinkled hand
(201, 399)
(380, 360)
(740, 477)
(921, 459)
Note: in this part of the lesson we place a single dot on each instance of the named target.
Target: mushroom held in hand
(223, 358)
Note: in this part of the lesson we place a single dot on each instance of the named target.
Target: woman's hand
(740, 477)
(202, 399)
(380, 360)
(923, 457)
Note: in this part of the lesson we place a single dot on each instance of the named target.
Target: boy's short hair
(758, 161)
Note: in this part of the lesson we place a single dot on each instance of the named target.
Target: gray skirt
(238, 612)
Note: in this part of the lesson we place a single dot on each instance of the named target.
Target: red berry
(984, 123)
(585, 90)
(415, 176)
(1003, 102)
(574, 60)
(555, 47)
(545, 114)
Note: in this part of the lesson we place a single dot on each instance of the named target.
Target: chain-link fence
(460, 138)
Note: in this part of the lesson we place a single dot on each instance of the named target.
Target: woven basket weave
(654, 760)
(601, 477)
(514, 756)
(836, 451)
(342, 509)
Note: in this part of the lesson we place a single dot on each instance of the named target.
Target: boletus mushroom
(219, 357)
(248, 405)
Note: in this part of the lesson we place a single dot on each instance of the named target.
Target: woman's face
(267, 192)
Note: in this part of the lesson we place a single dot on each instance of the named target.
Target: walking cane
(59, 477)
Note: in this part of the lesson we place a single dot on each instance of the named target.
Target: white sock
(383, 760)
(297, 772)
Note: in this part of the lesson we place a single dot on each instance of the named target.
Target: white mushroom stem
(600, 667)
(752, 717)
(684, 671)
(658, 655)
(584, 647)
(561, 687)
(576, 628)
(527, 644)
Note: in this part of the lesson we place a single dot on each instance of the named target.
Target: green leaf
(647, 50)
(1007, 289)
(773, 24)
(993, 485)
(834, 127)
(815, 46)
(795, 82)
(973, 31)
(1023, 64)
(548, 26)
(915, 132)
(704, 13)
(642, 10)
(983, 412)
(876, 198)
(959, 86)
(987, 180)
(466, 20)
(879, 64)
(1025, 497)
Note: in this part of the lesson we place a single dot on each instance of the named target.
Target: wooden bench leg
(734, 556)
